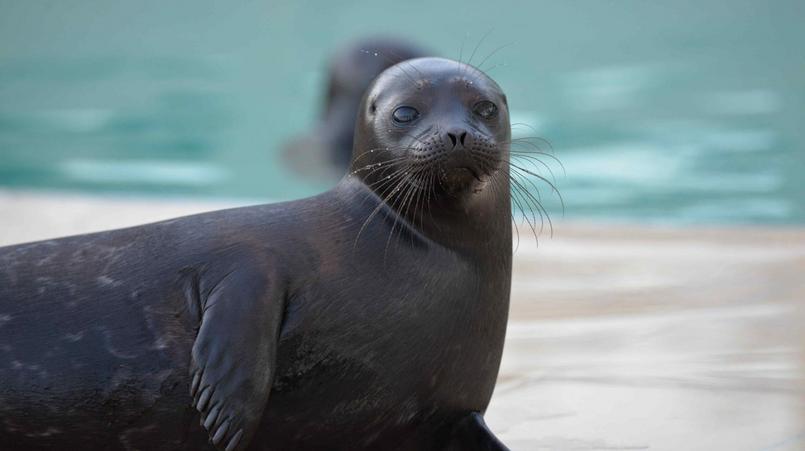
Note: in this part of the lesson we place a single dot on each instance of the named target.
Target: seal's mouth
(461, 164)
(456, 179)
(462, 172)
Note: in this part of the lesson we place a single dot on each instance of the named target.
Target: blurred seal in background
(325, 151)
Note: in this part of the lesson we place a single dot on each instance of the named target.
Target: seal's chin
(459, 179)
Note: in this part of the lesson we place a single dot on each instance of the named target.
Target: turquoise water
(690, 112)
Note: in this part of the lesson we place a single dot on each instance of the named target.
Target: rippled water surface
(683, 113)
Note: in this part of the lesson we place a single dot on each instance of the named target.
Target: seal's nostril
(457, 136)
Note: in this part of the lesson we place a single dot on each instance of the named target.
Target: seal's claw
(194, 385)
(211, 417)
(234, 441)
(204, 398)
(220, 433)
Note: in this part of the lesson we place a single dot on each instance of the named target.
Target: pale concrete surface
(620, 338)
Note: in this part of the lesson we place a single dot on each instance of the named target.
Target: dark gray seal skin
(325, 150)
(371, 316)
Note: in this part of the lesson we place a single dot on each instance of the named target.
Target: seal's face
(432, 123)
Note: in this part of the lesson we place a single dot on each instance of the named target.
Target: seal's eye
(485, 109)
(405, 114)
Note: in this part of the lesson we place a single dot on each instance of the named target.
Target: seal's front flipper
(234, 355)
(471, 434)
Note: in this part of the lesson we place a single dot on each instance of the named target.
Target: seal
(325, 150)
(371, 316)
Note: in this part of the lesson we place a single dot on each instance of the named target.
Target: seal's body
(369, 317)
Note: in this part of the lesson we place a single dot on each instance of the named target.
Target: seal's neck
(478, 222)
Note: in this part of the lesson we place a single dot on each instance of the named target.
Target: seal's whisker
(473, 126)
(496, 189)
(414, 202)
(410, 209)
(398, 177)
(548, 182)
(410, 195)
(379, 150)
(387, 180)
(523, 202)
(533, 157)
(421, 198)
(535, 160)
(515, 198)
(533, 129)
(521, 174)
(397, 205)
(374, 167)
(418, 138)
(520, 199)
(533, 145)
(534, 148)
(432, 195)
(531, 172)
(535, 204)
(379, 185)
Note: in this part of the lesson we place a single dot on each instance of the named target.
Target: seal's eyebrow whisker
(393, 63)
(478, 45)
(487, 71)
(461, 50)
(398, 62)
(401, 60)
(481, 64)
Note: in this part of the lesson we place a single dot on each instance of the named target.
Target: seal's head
(433, 125)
